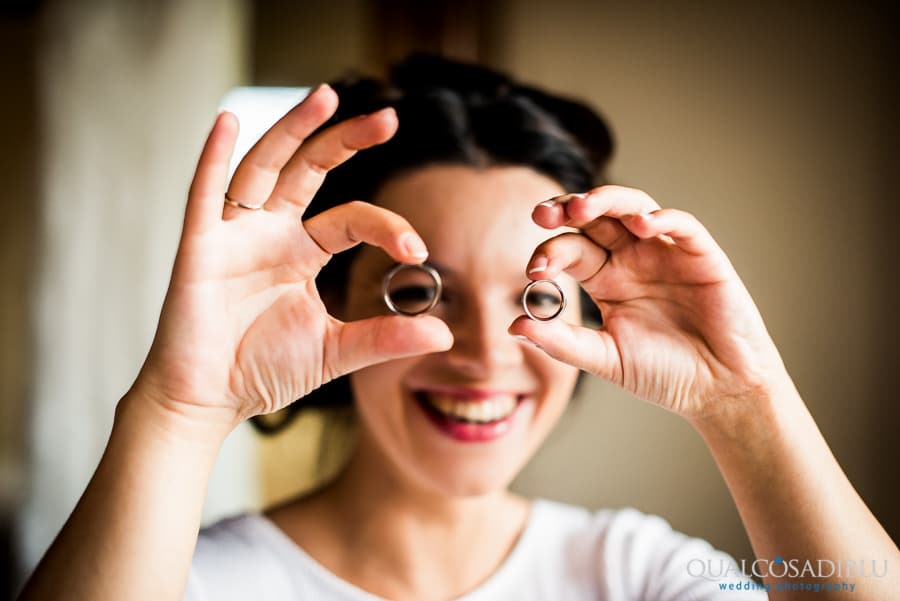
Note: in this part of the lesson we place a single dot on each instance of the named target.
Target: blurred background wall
(775, 124)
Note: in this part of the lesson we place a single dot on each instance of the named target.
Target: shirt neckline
(355, 593)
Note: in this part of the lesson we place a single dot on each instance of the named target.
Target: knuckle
(356, 206)
(316, 167)
(688, 217)
(644, 196)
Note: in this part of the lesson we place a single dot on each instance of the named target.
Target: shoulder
(243, 537)
(620, 530)
(237, 552)
(628, 554)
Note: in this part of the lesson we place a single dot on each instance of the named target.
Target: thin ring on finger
(242, 205)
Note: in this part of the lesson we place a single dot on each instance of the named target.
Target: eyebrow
(380, 269)
(442, 269)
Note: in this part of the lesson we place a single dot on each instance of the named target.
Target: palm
(680, 330)
(243, 326)
(676, 321)
(246, 290)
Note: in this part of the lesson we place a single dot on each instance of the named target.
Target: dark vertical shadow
(18, 164)
(884, 453)
(458, 29)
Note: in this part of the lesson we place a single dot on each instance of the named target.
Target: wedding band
(402, 306)
(236, 203)
(562, 300)
(425, 268)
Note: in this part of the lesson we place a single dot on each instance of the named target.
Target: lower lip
(467, 432)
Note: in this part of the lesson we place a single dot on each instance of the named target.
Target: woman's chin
(469, 481)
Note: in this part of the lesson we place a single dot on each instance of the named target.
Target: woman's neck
(381, 532)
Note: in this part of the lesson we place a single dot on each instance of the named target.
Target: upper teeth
(488, 410)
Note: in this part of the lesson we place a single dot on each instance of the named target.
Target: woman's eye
(543, 302)
(411, 289)
(413, 294)
(412, 299)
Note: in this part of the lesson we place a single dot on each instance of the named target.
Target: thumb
(369, 341)
(593, 351)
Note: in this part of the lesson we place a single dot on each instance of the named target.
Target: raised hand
(680, 329)
(243, 330)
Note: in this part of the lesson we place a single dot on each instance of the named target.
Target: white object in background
(257, 109)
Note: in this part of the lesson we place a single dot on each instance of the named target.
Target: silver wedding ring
(411, 289)
(554, 291)
(416, 289)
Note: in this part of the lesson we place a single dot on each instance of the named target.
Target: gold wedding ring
(236, 203)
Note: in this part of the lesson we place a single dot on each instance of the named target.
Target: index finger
(580, 210)
(257, 173)
(348, 224)
(204, 206)
(304, 173)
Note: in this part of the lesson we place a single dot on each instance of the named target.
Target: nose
(482, 346)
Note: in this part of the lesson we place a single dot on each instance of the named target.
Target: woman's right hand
(243, 330)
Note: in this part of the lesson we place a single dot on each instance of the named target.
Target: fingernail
(526, 339)
(572, 196)
(539, 264)
(548, 203)
(223, 114)
(647, 215)
(373, 114)
(414, 246)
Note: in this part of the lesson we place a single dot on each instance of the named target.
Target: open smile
(470, 415)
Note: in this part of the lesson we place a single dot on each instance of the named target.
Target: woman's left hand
(679, 328)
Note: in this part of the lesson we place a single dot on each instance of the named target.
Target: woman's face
(463, 422)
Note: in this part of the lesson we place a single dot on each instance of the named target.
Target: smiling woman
(493, 183)
(478, 224)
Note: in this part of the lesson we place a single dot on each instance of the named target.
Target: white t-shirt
(564, 553)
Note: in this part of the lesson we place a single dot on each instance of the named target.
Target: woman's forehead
(459, 209)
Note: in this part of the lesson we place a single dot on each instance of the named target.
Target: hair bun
(482, 85)
(581, 121)
(426, 71)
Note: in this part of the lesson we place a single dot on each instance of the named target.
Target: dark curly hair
(459, 114)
